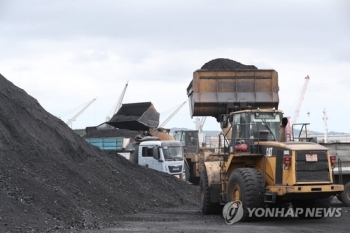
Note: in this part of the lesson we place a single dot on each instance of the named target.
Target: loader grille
(306, 171)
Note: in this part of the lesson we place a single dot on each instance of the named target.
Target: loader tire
(345, 195)
(246, 185)
(207, 207)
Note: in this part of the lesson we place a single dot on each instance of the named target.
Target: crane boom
(172, 115)
(202, 124)
(325, 118)
(119, 104)
(301, 98)
(70, 121)
(121, 99)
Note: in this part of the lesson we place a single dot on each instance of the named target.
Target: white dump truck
(164, 156)
(153, 147)
(161, 155)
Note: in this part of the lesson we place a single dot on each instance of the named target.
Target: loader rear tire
(345, 195)
(207, 206)
(246, 185)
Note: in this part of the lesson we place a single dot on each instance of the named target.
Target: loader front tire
(207, 207)
(246, 185)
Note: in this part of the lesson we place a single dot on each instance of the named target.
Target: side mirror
(230, 118)
(223, 121)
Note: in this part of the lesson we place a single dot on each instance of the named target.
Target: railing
(246, 143)
(302, 132)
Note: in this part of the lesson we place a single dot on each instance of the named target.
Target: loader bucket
(216, 92)
(136, 116)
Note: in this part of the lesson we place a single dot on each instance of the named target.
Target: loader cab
(254, 125)
(189, 140)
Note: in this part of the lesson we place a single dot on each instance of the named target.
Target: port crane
(325, 118)
(70, 121)
(200, 123)
(301, 98)
(172, 115)
(119, 103)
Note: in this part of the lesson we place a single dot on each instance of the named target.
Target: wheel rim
(235, 193)
(348, 194)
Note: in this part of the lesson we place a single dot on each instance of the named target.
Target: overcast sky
(65, 53)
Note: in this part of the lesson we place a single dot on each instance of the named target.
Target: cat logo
(268, 151)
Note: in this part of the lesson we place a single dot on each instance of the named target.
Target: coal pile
(226, 64)
(53, 180)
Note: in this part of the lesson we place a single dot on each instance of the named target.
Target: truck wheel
(207, 206)
(246, 185)
(345, 195)
(308, 204)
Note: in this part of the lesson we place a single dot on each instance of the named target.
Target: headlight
(183, 176)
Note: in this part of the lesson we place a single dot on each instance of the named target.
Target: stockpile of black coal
(226, 64)
(53, 180)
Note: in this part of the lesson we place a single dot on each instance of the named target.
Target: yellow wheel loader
(256, 165)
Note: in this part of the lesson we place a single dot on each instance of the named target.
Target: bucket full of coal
(136, 116)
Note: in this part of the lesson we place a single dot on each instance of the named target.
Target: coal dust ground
(51, 179)
(190, 220)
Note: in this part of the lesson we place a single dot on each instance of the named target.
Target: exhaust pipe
(283, 125)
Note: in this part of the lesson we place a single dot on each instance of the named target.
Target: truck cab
(164, 156)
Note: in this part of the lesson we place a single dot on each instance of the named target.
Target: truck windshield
(172, 153)
(265, 121)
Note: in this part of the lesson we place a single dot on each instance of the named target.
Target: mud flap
(215, 190)
(270, 197)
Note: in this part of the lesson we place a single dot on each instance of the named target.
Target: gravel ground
(190, 220)
(53, 180)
